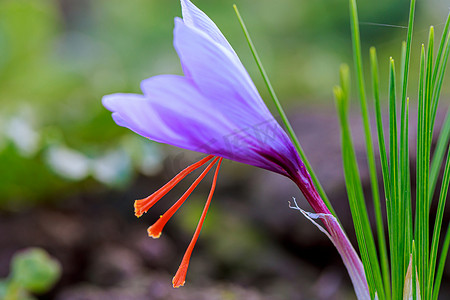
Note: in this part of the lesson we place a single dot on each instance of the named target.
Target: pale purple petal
(174, 112)
(194, 17)
(135, 112)
(218, 75)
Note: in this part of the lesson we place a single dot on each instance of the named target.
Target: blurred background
(69, 175)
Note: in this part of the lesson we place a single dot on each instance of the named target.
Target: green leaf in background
(34, 270)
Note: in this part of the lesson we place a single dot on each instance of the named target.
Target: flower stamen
(155, 230)
(143, 205)
(180, 277)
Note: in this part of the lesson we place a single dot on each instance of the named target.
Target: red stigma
(155, 230)
(180, 277)
(143, 205)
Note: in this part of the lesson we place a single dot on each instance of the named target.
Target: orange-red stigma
(180, 277)
(155, 230)
(143, 205)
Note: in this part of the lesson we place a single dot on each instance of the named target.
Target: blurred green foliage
(58, 58)
(32, 271)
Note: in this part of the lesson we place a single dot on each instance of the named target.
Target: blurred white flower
(22, 134)
(112, 168)
(68, 163)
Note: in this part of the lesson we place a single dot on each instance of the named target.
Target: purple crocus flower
(215, 109)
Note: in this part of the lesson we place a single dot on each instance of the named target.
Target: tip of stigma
(177, 285)
(155, 235)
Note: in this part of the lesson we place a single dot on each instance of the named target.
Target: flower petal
(174, 112)
(219, 77)
(194, 17)
(135, 112)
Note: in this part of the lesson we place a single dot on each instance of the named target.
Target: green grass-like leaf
(420, 218)
(385, 173)
(351, 173)
(405, 207)
(438, 79)
(438, 224)
(440, 270)
(439, 70)
(369, 147)
(395, 239)
(283, 116)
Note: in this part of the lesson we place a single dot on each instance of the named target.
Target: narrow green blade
(440, 271)
(438, 223)
(369, 147)
(385, 173)
(283, 116)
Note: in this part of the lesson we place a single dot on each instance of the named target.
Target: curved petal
(219, 77)
(135, 112)
(189, 113)
(174, 112)
(178, 93)
(194, 17)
